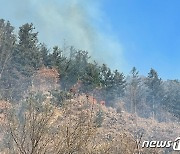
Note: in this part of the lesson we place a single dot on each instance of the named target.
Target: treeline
(21, 55)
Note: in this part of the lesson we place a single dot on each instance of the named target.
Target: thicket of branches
(36, 126)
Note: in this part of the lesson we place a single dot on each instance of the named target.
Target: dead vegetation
(38, 127)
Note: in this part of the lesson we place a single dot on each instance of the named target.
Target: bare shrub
(38, 127)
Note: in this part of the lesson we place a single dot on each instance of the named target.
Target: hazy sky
(121, 33)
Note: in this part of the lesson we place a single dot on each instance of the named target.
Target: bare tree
(39, 127)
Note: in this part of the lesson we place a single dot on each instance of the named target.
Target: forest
(23, 59)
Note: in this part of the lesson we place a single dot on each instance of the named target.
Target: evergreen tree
(113, 85)
(155, 91)
(75, 67)
(27, 57)
(119, 84)
(133, 90)
(91, 77)
(7, 45)
(26, 60)
(7, 48)
(171, 99)
(44, 60)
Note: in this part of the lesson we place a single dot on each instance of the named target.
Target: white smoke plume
(80, 23)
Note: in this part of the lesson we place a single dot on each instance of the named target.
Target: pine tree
(113, 84)
(7, 45)
(154, 84)
(91, 78)
(119, 84)
(7, 48)
(171, 99)
(133, 90)
(27, 58)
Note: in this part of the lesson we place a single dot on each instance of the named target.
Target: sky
(120, 33)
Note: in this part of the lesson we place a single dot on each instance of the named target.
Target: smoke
(80, 23)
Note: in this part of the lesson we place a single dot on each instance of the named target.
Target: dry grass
(73, 129)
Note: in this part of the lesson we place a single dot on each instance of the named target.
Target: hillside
(81, 126)
(59, 100)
